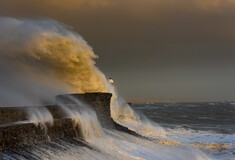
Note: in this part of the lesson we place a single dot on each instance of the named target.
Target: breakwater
(16, 130)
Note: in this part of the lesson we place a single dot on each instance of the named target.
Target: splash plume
(48, 48)
(42, 58)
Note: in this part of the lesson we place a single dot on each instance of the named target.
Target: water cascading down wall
(43, 58)
(15, 130)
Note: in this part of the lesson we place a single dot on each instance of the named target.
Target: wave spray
(43, 58)
(56, 60)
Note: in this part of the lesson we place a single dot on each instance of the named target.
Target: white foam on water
(217, 145)
(51, 59)
(43, 58)
(124, 115)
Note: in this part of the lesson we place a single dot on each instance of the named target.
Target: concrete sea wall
(16, 130)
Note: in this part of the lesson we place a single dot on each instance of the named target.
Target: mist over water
(43, 58)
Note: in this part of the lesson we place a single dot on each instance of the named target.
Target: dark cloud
(154, 48)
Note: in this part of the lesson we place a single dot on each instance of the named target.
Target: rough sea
(207, 126)
(41, 58)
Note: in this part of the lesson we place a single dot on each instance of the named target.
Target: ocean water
(52, 59)
(194, 131)
(207, 126)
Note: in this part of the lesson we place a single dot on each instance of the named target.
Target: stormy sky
(165, 50)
